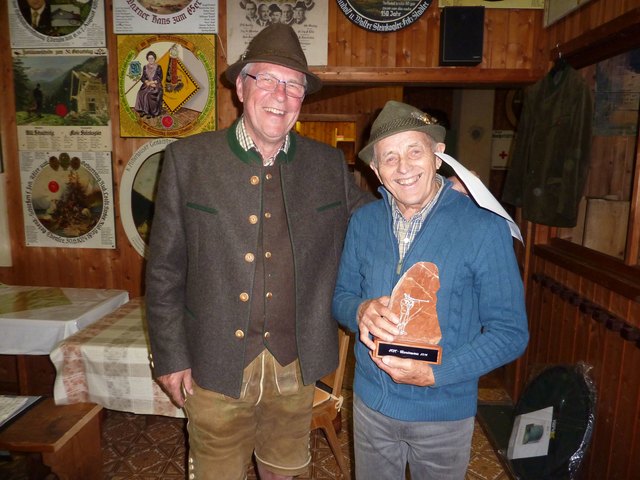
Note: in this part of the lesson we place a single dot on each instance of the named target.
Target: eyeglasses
(269, 83)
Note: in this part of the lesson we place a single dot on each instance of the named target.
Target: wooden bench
(67, 437)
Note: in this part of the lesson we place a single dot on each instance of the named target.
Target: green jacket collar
(251, 156)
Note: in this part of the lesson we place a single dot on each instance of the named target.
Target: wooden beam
(440, 76)
(596, 267)
(612, 38)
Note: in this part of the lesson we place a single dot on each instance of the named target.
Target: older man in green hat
(409, 411)
(248, 228)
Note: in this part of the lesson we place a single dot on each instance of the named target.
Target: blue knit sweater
(480, 303)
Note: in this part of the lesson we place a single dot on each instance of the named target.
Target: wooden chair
(328, 401)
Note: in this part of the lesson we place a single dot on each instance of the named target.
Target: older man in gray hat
(248, 228)
(408, 411)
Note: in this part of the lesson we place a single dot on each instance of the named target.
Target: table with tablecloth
(33, 320)
(108, 363)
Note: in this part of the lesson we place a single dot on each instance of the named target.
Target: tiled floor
(153, 448)
(138, 447)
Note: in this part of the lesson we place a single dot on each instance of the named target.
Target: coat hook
(559, 51)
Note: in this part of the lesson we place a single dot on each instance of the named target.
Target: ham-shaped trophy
(414, 300)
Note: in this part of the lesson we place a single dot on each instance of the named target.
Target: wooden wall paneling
(554, 312)
(540, 327)
(536, 327)
(326, 131)
(633, 463)
(595, 187)
(534, 306)
(586, 37)
(360, 47)
(541, 234)
(411, 55)
(332, 32)
(580, 326)
(598, 12)
(625, 408)
(403, 49)
(419, 45)
(621, 167)
(626, 173)
(431, 55)
(519, 54)
(545, 321)
(634, 419)
(357, 39)
(406, 54)
(608, 396)
(588, 342)
(534, 44)
(417, 38)
(350, 100)
(342, 41)
(496, 43)
(562, 350)
(583, 326)
(596, 346)
(602, 433)
(632, 255)
(593, 354)
(571, 317)
(583, 330)
(377, 50)
(541, 45)
(556, 325)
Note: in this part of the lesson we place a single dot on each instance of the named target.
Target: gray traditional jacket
(198, 282)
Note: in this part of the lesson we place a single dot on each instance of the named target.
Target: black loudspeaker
(461, 34)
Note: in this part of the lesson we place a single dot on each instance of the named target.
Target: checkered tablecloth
(108, 363)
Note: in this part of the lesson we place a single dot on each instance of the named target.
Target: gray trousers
(384, 446)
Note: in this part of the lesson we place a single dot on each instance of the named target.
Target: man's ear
(239, 85)
(373, 167)
(440, 149)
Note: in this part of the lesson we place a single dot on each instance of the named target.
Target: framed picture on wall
(67, 199)
(165, 16)
(308, 18)
(56, 23)
(167, 85)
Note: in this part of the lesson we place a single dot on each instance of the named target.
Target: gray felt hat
(278, 44)
(398, 117)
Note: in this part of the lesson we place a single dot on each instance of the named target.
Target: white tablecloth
(33, 320)
(108, 363)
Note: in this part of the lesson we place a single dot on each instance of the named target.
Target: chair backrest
(334, 379)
